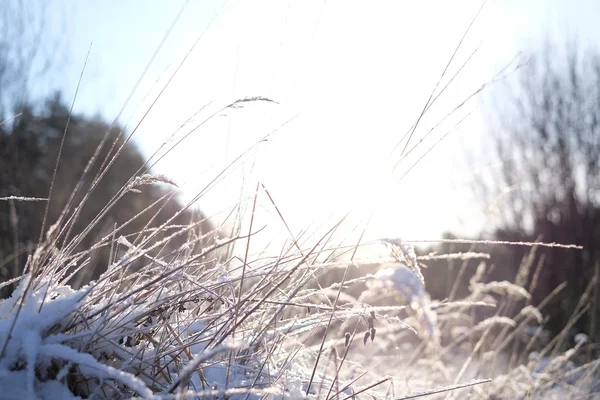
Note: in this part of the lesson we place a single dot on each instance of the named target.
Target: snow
(58, 330)
(407, 283)
(14, 385)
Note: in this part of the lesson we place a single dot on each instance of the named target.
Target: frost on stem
(148, 179)
(405, 253)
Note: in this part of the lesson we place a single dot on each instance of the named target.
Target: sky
(349, 80)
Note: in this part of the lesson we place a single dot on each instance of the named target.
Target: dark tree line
(544, 129)
(32, 49)
(28, 152)
(546, 133)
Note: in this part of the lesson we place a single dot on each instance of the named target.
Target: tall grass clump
(187, 324)
(190, 324)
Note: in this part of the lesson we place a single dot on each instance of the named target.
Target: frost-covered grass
(193, 318)
(199, 320)
(188, 324)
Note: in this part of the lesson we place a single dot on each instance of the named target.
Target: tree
(546, 135)
(31, 48)
(28, 152)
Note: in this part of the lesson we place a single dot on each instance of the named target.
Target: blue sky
(353, 75)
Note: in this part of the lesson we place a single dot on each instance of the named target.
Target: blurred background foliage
(33, 132)
(28, 151)
(544, 130)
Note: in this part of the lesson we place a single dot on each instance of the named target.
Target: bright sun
(349, 79)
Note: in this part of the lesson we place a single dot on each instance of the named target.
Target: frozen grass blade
(444, 389)
(21, 198)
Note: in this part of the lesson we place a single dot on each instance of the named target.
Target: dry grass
(193, 324)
